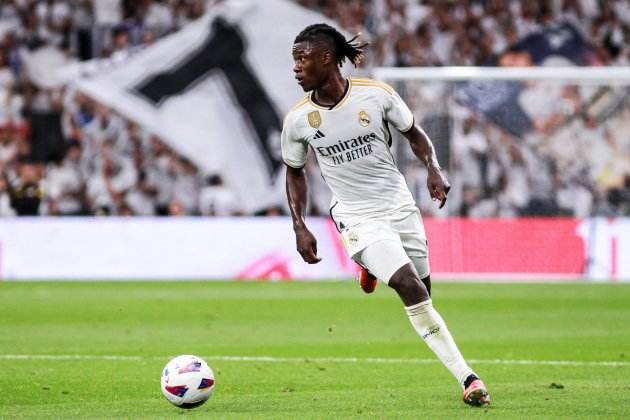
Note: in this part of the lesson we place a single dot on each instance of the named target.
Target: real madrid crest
(364, 118)
(353, 238)
(314, 119)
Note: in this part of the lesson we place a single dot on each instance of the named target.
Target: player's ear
(327, 57)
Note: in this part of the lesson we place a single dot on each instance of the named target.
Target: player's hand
(307, 246)
(438, 185)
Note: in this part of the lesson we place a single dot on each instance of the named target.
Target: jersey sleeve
(397, 112)
(294, 148)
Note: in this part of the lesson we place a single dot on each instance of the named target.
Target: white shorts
(384, 245)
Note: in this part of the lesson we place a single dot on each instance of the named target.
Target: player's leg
(384, 259)
(431, 327)
(427, 283)
(388, 260)
(368, 281)
(413, 237)
(406, 283)
(421, 264)
(427, 321)
(410, 229)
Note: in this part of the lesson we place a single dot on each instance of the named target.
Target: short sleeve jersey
(352, 143)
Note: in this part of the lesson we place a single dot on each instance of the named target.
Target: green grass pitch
(333, 351)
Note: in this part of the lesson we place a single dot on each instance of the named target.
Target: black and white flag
(217, 91)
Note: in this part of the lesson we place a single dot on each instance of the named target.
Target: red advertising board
(510, 246)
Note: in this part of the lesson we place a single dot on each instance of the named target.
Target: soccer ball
(187, 381)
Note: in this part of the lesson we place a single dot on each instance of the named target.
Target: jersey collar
(336, 105)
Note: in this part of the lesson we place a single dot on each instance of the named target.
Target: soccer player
(346, 122)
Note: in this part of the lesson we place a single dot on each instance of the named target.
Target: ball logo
(364, 118)
(314, 119)
(206, 383)
(177, 390)
(194, 366)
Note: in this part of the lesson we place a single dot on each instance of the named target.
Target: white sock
(431, 328)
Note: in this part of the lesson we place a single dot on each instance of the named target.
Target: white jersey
(352, 143)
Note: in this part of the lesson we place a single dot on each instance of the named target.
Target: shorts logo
(314, 119)
(364, 118)
(353, 238)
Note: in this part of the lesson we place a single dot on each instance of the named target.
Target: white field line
(271, 359)
(67, 357)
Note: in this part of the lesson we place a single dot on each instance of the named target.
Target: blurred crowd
(580, 168)
(575, 161)
(107, 165)
(62, 153)
(473, 32)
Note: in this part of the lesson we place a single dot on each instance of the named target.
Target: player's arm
(400, 116)
(422, 147)
(398, 113)
(296, 195)
(294, 151)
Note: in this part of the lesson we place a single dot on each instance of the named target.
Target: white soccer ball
(187, 381)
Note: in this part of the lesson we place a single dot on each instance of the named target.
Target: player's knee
(408, 286)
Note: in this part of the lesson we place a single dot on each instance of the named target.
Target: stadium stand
(72, 156)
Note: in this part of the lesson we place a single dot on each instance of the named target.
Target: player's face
(308, 67)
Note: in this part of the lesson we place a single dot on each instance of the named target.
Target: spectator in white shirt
(65, 184)
(216, 199)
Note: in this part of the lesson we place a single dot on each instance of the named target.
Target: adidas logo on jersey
(318, 135)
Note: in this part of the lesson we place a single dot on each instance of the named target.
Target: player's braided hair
(342, 47)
